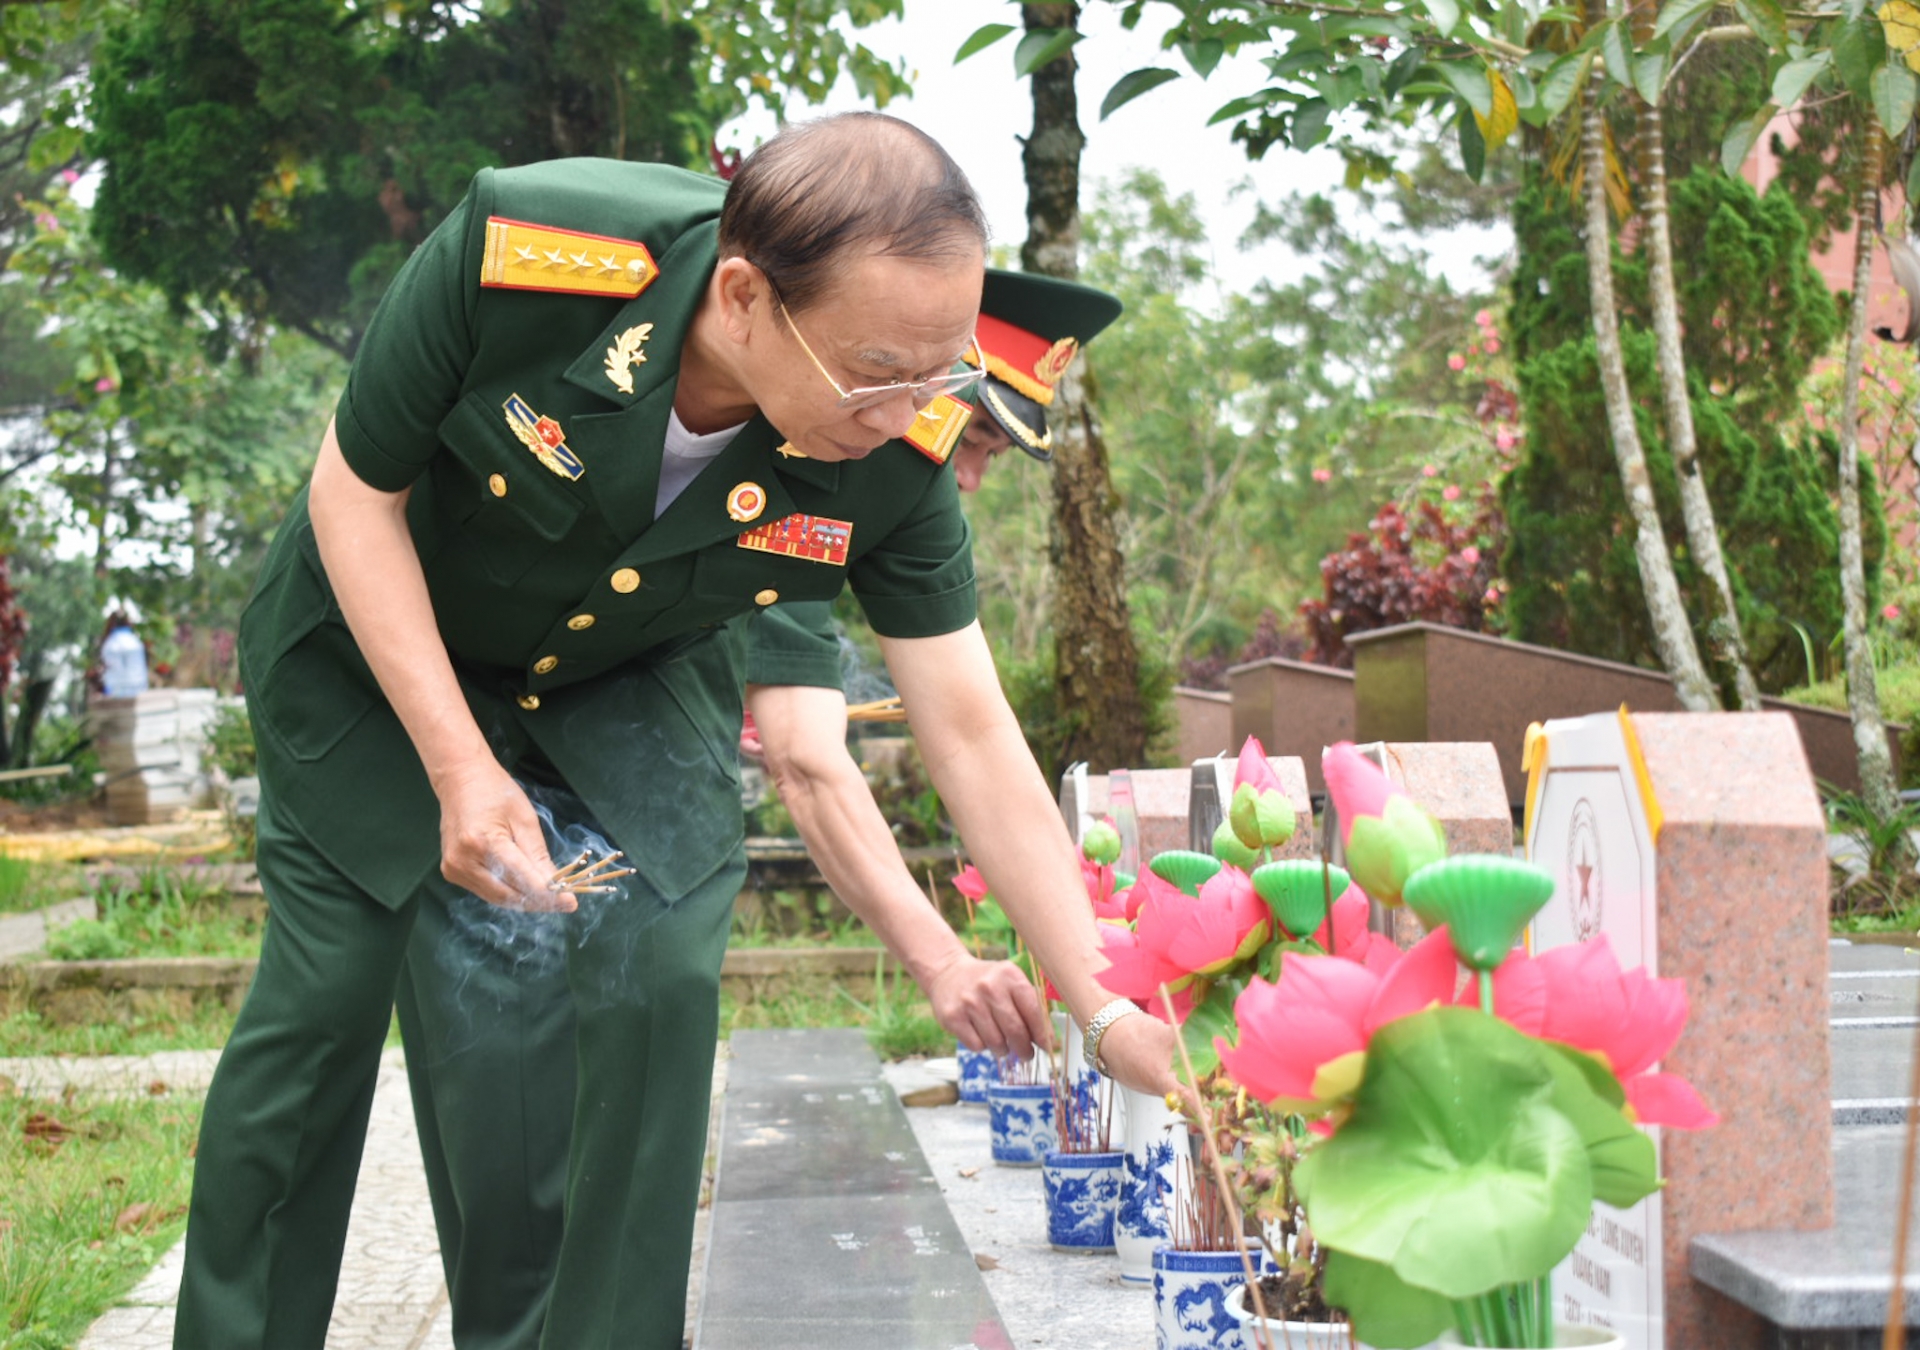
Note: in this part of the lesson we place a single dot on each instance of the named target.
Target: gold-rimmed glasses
(922, 392)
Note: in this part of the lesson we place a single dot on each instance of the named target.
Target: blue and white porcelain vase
(1156, 1137)
(979, 1070)
(1020, 1116)
(1193, 1297)
(1083, 1191)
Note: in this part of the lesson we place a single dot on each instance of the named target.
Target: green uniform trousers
(286, 1114)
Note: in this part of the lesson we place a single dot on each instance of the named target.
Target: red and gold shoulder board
(937, 430)
(524, 257)
(800, 535)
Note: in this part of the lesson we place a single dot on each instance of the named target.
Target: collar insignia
(937, 430)
(626, 353)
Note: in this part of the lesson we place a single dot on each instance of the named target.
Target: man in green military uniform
(483, 1003)
(552, 482)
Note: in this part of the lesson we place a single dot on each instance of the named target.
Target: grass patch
(1898, 686)
(898, 1021)
(25, 1033)
(27, 886)
(92, 1194)
(160, 915)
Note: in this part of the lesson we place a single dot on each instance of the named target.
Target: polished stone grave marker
(1695, 843)
(1459, 784)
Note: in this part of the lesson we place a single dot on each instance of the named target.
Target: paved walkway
(391, 1295)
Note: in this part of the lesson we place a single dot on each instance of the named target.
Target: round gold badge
(746, 502)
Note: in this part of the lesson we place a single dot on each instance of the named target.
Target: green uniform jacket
(532, 573)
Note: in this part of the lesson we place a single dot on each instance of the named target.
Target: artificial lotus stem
(1220, 1179)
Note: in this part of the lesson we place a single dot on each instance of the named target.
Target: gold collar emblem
(626, 353)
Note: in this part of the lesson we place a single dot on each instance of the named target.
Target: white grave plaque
(1073, 801)
(1588, 825)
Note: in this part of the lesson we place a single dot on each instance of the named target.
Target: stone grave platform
(1828, 1289)
(828, 1229)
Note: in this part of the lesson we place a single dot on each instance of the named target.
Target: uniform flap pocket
(533, 484)
(744, 575)
(290, 600)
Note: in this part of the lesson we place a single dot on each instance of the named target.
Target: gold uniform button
(766, 597)
(626, 581)
(497, 484)
(580, 622)
(529, 701)
(545, 665)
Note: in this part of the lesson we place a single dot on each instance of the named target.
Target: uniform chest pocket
(503, 497)
(727, 572)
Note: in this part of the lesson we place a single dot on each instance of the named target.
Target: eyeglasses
(922, 392)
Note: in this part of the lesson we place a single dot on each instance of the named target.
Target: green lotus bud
(1261, 817)
(1101, 844)
(1228, 848)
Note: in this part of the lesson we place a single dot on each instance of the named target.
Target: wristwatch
(1097, 1028)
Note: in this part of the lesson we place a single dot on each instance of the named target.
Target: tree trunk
(1703, 535)
(1863, 694)
(1096, 663)
(1672, 633)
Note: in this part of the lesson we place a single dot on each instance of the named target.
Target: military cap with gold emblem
(1031, 328)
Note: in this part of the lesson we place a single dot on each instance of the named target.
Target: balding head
(821, 193)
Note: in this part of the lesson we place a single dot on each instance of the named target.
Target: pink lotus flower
(1429, 470)
(1351, 938)
(1260, 814)
(1228, 922)
(1492, 346)
(1303, 1041)
(1450, 493)
(103, 385)
(1108, 905)
(1504, 439)
(1137, 968)
(1470, 555)
(1323, 475)
(1388, 836)
(1579, 996)
(1456, 362)
(971, 884)
(69, 177)
(1137, 972)
(1890, 612)
(1483, 317)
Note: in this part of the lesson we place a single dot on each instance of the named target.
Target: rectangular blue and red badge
(814, 538)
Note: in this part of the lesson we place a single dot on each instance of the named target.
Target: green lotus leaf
(1261, 819)
(1296, 890)
(1625, 1167)
(1457, 1168)
(1484, 900)
(1383, 851)
(1185, 869)
(1387, 1312)
(1207, 1020)
(1229, 850)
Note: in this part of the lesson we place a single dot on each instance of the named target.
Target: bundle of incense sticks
(590, 878)
(880, 710)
